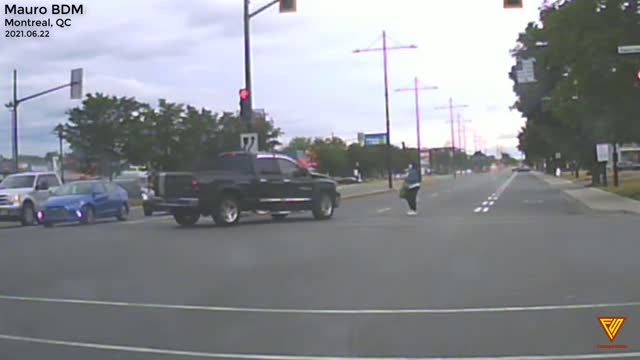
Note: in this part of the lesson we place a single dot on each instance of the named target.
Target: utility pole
(462, 128)
(416, 89)
(60, 131)
(453, 143)
(384, 50)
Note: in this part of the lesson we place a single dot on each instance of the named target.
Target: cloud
(304, 72)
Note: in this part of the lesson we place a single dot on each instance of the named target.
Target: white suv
(22, 195)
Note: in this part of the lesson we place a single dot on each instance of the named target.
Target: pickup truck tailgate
(176, 185)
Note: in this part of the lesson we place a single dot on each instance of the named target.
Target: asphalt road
(528, 276)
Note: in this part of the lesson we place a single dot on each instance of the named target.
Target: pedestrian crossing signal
(512, 4)
(288, 6)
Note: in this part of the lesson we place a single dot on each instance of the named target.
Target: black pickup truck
(238, 182)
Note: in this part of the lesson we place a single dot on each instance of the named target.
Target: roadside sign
(602, 151)
(249, 142)
(558, 155)
(526, 74)
(629, 49)
(375, 139)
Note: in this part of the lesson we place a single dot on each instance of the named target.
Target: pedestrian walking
(412, 185)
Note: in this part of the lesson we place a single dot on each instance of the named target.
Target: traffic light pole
(247, 55)
(247, 63)
(14, 111)
(384, 50)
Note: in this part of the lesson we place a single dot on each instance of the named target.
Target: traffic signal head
(512, 4)
(288, 6)
(245, 108)
(244, 94)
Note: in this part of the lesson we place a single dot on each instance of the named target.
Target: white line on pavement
(316, 311)
(478, 209)
(151, 350)
(491, 203)
(486, 209)
(434, 194)
(380, 211)
(504, 186)
(484, 203)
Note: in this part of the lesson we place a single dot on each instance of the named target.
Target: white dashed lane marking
(478, 209)
(380, 211)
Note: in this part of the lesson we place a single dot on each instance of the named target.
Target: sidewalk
(352, 191)
(593, 198)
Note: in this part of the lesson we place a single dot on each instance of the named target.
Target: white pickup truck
(22, 195)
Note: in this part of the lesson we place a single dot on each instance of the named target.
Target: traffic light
(288, 6)
(512, 4)
(245, 109)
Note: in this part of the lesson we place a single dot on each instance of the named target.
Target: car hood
(18, 191)
(64, 200)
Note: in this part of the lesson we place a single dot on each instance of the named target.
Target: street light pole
(384, 50)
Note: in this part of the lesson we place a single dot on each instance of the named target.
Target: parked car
(23, 194)
(84, 202)
(151, 203)
(240, 181)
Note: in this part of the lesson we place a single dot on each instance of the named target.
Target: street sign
(76, 84)
(249, 142)
(527, 73)
(375, 139)
(602, 151)
(629, 49)
(558, 156)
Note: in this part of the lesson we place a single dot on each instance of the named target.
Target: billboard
(375, 139)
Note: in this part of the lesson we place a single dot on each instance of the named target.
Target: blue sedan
(84, 202)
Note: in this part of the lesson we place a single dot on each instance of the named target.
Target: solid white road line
(160, 351)
(317, 311)
(380, 211)
(504, 186)
(478, 209)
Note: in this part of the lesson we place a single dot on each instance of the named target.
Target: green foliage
(586, 93)
(107, 131)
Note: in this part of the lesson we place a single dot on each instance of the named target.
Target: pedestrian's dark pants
(411, 197)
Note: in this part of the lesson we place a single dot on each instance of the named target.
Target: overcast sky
(305, 74)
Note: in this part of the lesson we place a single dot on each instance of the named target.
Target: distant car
(84, 202)
(523, 168)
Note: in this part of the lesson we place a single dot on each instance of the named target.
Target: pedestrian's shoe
(411, 213)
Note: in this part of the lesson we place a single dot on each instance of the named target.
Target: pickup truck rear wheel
(227, 212)
(28, 214)
(185, 218)
(322, 207)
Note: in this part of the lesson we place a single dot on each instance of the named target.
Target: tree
(585, 91)
(298, 144)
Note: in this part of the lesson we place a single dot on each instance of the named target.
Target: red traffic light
(638, 75)
(244, 94)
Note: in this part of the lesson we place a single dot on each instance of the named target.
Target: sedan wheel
(123, 213)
